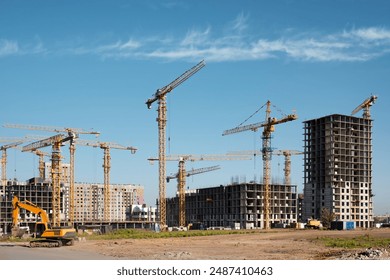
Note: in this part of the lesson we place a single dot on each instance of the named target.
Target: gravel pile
(368, 254)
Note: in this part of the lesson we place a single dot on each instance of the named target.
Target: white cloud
(240, 22)
(354, 45)
(369, 34)
(194, 38)
(8, 47)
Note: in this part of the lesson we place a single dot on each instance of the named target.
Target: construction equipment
(160, 96)
(269, 127)
(287, 159)
(181, 183)
(49, 237)
(365, 105)
(182, 174)
(56, 142)
(313, 223)
(16, 142)
(13, 143)
(41, 166)
(4, 149)
(287, 162)
(106, 146)
(73, 133)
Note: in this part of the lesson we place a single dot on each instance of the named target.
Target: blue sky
(93, 64)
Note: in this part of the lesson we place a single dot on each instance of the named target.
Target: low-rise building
(236, 206)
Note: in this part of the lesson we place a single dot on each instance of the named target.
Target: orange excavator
(45, 234)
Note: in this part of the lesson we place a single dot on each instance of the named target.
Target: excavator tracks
(47, 243)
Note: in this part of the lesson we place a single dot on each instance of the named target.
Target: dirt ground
(281, 244)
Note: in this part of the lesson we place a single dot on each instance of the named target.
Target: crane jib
(164, 90)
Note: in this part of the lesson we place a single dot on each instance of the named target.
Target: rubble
(367, 254)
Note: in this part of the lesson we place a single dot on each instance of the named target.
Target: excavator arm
(29, 206)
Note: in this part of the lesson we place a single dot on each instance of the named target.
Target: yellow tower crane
(106, 146)
(160, 96)
(269, 127)
(13, 143)
(287, 162)
(365, 105)
(73, 134)
(56, 142)
(4, 149)
(181, 183)
(182, 174)
(287, 159)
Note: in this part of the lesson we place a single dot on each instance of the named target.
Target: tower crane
(56, 142)
(106, 146)
(287, 159)
(41, 164)
(15, 142)
(73, 133)
(269, 127)
(182, 174)
(160, 97)
(185, 173)
(365, 105)
(287, 162)
(4, 149)
(181, 183)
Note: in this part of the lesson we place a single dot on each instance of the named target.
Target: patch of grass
(363, 241)
(144, 234)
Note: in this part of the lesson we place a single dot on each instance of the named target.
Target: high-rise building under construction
(338, 169)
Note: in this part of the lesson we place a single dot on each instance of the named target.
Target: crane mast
(106, 146)
(268, 128)
(41, 166)
(56, 142)
(287, 162)
(4, 149)
(160, 96)
(15, 142)
(181, 183)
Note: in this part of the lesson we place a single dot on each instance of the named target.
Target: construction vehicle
(313, 223)
(45, 234)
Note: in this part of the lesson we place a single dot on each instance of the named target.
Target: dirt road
(280, 244)
(271, 245)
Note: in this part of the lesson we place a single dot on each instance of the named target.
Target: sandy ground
(282, 244)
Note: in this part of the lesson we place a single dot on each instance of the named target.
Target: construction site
(337, 161)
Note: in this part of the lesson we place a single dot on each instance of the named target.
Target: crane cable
(252, 115)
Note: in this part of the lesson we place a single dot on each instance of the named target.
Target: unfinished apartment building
(238, 206)
(89, 201)
(337, 168)
(89, 198)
